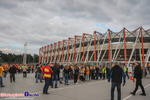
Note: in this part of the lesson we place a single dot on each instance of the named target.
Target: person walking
(12, 71)
(47, 74)
(66, 72)
(39, 73)
(55, 70)
(25, 71)
(126, 71)
(76, 73)
(1, 75)
(138, 76)
(116, 75)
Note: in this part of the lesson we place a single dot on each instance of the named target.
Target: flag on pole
(25, 44)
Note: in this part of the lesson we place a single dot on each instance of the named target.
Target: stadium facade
(124, 46)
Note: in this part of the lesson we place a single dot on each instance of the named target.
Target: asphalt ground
(92, 90)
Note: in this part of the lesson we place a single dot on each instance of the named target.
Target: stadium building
(97, 48)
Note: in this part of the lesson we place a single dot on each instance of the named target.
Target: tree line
(18, 58)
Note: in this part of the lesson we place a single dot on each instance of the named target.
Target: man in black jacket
(138, 76)
(116, 75)
(12, 71)
(55, 75)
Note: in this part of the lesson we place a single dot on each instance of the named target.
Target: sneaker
(3, 86)
(143, 94)
(41, 81)
(46, 93)
(36, 82)
(56, 87)
(132, 93)
(67, 84)
(61, 82)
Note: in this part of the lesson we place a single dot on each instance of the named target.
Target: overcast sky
(43, 22)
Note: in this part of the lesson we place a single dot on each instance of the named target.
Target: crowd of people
(13, 69)
(82, 72)
(52, 73)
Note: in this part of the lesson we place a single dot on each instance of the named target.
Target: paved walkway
(93, 90)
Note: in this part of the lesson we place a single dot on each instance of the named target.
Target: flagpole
(25, 53)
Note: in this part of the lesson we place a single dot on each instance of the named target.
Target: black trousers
(24, 74)
(93, 77)
(75, 78)
(32, 70)
(82, 78)
(139, 83)
(100, 74)
(127, 75)
(103, 76)
(108, 75)
(12, 76)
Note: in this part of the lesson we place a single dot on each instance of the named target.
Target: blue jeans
(1, 81)
(5, 73)
(118, 90)
(38, 75)
(97, 74)
(69, 75)
(56, 78)
(50, 83)
(66, 78)
(47, 81)
(87, 77)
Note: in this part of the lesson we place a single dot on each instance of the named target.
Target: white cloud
(7, 50)
(42, 22)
